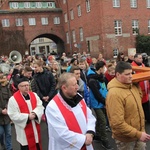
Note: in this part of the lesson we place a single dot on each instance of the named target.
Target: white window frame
(148, 3)
(5, 23)
(133, 3)
(88, 6)
(135, 27)
(116, 3)
(115, 52)
(71, 14)
(67, 37)
(148, 26)
(38, 4)
(81, 34)
(26, 4)
(14, 5)
(56, 20)
(74, 36)
(79, 10)
(32, 21)
(50, 5)
(44, 21)
(19, 22)
(118, 27)
(65, 17)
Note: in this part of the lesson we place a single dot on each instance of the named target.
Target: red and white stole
(71, 122)
(29, 128)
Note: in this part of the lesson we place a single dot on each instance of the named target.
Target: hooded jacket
(124, 110)
(98, 90)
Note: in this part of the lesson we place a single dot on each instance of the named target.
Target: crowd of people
(80, 98)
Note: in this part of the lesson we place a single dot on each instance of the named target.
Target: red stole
(71, 122)
(29, 128)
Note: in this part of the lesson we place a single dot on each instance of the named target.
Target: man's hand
(89, 139)
(4, 111)
(32, 116)
(46, 98)
(145, 137)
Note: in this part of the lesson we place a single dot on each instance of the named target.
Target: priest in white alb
(25, 110)
(71, 124)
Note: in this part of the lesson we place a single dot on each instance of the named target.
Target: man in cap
(25, 110)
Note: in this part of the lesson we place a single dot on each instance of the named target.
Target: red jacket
(144, 85)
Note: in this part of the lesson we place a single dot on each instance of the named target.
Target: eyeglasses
(24, 85)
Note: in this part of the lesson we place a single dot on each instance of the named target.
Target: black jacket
(46, 84)
(93, 83)
(5, 94)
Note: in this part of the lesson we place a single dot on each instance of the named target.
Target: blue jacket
(98, 90)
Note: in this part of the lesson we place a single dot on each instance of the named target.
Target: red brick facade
(97, 24)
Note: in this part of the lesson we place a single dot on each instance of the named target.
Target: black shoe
(106, 145)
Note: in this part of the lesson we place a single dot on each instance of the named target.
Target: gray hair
(63, 79)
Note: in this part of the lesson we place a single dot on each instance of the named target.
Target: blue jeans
(5, 131)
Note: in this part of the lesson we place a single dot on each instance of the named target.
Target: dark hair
(28, 68)
(121, 66)
(136, 55)
(99, 64)
(119, 58)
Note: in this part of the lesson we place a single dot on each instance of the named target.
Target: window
(133, 3)
(26, 4)
(65, 16)
(135, 27)
(19, 22)
(56, 20)
(71, 14)
(67, 37)
(32, 22)
(51, 5)
(79, 10)
(118, 27)
(14, 5)
(44, 21)
(5, 23)
(148, 26)
(148, 3)
(115, 53)
(116, 3)
(81, 34)
(41, 40)
(64, 1)
(88, 7)
(73, 35)
(38, 5)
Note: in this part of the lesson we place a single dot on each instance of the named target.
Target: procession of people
(80, 98)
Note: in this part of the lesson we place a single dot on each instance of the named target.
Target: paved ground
(97, 145)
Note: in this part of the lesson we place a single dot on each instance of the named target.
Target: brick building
(24, 21)
(106, 26)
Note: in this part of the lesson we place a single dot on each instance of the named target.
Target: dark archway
(58, 41)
